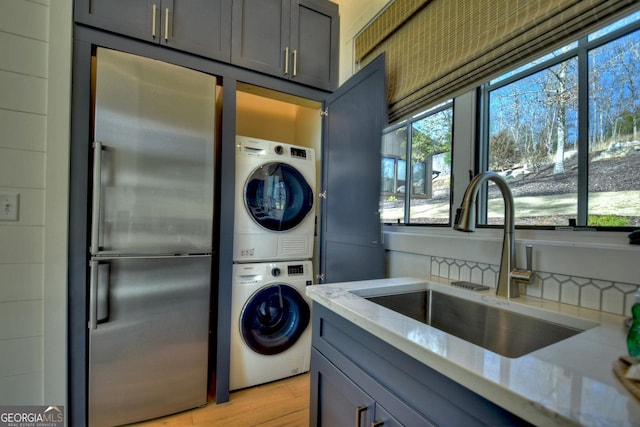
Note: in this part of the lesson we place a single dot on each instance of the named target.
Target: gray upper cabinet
(202, 27)
(296, 40)
(292, 39)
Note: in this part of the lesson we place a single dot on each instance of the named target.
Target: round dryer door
(273, 319)
(277, 196)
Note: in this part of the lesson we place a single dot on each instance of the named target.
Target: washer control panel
(295, 270)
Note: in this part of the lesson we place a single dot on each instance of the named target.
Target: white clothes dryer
(270, 322)
(275, 202)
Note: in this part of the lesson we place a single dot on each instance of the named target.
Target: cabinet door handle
(153, 21)
(295, 63)
(286, 60)
(166, 24)
(359, 411)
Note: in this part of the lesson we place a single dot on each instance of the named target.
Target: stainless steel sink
(502, 331)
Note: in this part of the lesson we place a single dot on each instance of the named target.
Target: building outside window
(425, 139)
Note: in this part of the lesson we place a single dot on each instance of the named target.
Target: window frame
(581, 52)
(408, 178)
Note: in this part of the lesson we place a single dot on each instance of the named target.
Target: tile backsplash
(603, 295)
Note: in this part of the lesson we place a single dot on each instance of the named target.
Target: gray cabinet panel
(342, 402)
(202, 27)
(260, 34)
(340, 398)
(351, 235)
(350, 261)
(292, 39)
(132, 18)
(314, 43)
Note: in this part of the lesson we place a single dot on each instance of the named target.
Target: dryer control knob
(279, 149)
(275, 271)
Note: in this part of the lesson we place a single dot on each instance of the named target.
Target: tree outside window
(562, 163)
(532, 143)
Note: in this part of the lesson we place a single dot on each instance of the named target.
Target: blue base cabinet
(358, 379)
(343, 402)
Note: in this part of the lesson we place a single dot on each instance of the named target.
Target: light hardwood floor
(280, 403)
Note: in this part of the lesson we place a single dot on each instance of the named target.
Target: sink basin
(502, 331)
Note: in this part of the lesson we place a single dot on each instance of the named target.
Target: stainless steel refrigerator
(151, 234)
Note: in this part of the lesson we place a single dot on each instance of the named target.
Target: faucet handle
(525, 275)
(529, 249)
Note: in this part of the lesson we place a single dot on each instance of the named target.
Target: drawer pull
(359, 411)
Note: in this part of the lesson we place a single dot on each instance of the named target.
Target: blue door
(274, 318)
(278, 197)
(351, 246)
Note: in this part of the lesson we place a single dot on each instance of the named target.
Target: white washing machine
(270, 322)
(275, 202)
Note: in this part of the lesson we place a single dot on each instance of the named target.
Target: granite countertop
(568, 383)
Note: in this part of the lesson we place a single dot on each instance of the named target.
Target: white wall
(354, 15)
(34, 126)
(57, 201)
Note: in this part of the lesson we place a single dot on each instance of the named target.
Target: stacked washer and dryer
(273, 246)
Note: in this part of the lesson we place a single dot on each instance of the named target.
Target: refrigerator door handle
(93, 295)
(98, 293)
(96, 197)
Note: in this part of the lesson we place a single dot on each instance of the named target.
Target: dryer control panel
(299, 153)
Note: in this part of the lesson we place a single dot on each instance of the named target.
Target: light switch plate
(9, 206)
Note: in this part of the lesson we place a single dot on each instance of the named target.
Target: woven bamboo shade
(436, 49)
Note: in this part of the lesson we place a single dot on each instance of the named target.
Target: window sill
(597, 255)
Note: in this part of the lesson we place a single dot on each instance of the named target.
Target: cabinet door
(134, 18)
(335, 399)
(350, 233)
(314, 43)
(202, 27)
(260, 35)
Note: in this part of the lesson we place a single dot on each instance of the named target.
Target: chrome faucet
(509, 277)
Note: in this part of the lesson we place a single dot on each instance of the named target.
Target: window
(394, 152)
(426, 140)
(564, 131)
